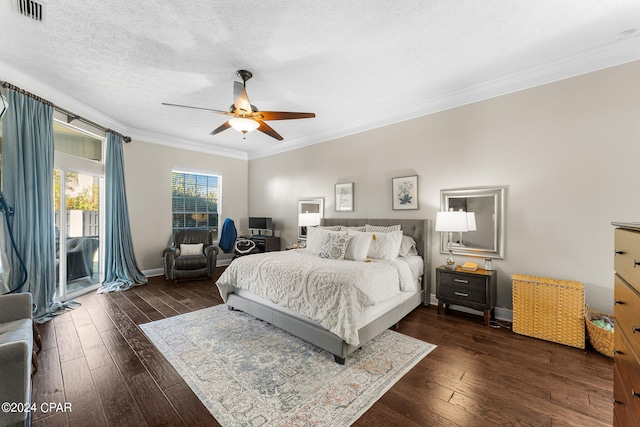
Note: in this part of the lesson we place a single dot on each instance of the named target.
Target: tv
(260, 223)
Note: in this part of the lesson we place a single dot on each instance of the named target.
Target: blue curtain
(27, 181)
(121, 270)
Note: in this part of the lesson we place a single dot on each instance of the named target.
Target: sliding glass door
(79, 219)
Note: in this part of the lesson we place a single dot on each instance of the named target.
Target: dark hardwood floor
(98, 360)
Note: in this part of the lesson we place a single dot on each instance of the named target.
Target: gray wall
(567, 152)
(148, 179)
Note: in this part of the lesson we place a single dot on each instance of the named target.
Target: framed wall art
(405, 192)
(344, 197)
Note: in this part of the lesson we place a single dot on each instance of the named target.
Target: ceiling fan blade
(241, 100)
(220, 128)
(265, 128)
(282, 115)
(199, 108)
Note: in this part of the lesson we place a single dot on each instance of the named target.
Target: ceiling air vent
(30, 9)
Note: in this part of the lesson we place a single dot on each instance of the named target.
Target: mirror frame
(498, 193)
(312, 201)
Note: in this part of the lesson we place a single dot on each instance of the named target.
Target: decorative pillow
(407, 247)
(316, 236)
(335, 245)
(195, 249)
(382, 229)
(359, 244)
(345, 228)
(385, 245)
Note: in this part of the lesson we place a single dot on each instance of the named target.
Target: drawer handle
(461, 294)
(460, 281)
(617, 402)
(635, 263)
(617, 351)
(634, 393)
(619, 252)
(619, 302)
(634, 329)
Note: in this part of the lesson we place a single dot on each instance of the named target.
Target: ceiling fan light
(244, 125)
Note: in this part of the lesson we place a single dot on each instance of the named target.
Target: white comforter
(330, 292)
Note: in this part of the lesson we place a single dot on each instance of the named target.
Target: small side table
(473, 289)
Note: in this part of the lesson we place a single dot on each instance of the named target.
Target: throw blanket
(330, 292)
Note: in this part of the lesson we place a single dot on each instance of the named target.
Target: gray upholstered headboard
(419, 229)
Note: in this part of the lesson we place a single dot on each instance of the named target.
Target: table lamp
(453, 222)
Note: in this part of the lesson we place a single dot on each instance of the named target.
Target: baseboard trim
(154, 272)
(501, 313)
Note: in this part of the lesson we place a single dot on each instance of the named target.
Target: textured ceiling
(357, 65)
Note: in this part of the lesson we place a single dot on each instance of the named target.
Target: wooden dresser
(626, 383)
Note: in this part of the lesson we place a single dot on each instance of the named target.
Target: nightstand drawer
(463, 294)
(464, 281)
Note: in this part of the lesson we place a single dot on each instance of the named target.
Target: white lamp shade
(452, 221)
(471, 221)
(244, 125)
(308, 219)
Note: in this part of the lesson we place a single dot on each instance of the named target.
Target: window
(79, 215)
(195, 200)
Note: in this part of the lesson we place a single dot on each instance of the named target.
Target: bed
(242, 289)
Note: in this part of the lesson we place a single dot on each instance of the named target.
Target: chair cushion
(17, 330)
(190, 262)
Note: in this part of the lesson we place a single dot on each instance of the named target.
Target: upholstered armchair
(192, 256)
(16, 354)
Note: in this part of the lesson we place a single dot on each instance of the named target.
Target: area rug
(249, 373)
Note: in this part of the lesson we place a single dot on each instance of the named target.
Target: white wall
(148, 183)
(567, 151)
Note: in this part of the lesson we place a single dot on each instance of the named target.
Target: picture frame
(344, 197)
(404, 192)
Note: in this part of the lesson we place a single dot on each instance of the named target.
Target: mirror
(309, 213)
(487, 204)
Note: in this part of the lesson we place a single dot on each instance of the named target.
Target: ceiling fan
(246, 117)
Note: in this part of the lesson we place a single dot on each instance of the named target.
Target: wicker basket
(549, 309)
(600, 339)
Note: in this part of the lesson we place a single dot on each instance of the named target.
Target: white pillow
(381, 229)
(407, 247)
(335, 245)
(359, 244)
(195, 249)
(345, 228)
(316, 237)
(385, 245)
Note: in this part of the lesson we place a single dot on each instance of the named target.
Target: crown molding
(186, 144)
(62, 100)
(607, 56)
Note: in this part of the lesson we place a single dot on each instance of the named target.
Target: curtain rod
(70, 116)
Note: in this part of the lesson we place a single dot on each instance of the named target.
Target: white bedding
(330, 292)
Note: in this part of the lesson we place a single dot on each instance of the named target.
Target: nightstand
(473, 289)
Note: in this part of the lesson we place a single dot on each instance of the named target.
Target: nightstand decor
(454, 222)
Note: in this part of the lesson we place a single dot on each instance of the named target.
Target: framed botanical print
(405, 192)
(344, 197)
